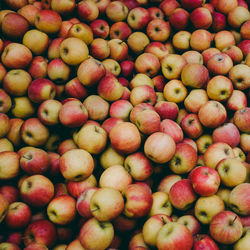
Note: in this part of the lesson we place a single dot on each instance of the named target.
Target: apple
(75, 89)
(66, 145)
(100, 28)
(8, 245)
(243, 241)
(174, 235)
(203, 142)
(63, 7)
(15, 238)
(226, 227)
(244, 30)
(112, 67)
(239, 154)
(96, 234)
(168, 6)
(208, 53)
(137, 42)
(4, 207)
(10, 193)
(193, 56)
(4, 124)
(76, 165)
(239, 199)
(9, 165)
(41, 232)
(244, 46)
(191, 223)
(235, 53)
(167, 182)
(181, 40)
(158, 30)
(18, 215)
(155, 13)
(75, 245)
(239, 75)
(202, 241)
(232, 172)
(179, 19)
(137, 241)
(201, 40)
(244, 142)
(138, 18)
(161, 204)
(237, 100)
(190, 4)
(201, 18)
(116, 11)
(241, 118)
(191, 125)
(38, 67)
(58, 71)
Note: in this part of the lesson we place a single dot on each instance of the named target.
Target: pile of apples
(124, 124)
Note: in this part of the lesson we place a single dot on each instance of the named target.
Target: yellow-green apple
(184, 159)
(172, 66)
(239, 75)
(75, 245)
(16, 4)
(226, 227)
(73, 114)
(9, 245)
(181, 40)
(58, 71)
(194, 75)
(118, 49)
(66, 145)
(109, 88)
(244, 46)
(60, 247)
(174, 235)
(179, 19)
(63, 7)
(182, 194)
(167, 182)
(81, 31)
(158, 30)
(137, 242)
(243, 242)
(3, 207)
(207, 207)
(36, 41)
(152, 226)
(244, 30)
(41, 232)
(226, 6)
(155, 13)
(48, 21)
(125, 137)
(202, 241)
(193, 56)
(10, 193)
(216, 152)
(138, 200)
(4, 124)
(115, 177)
(48, 112)
(208, 53)
(241, 119)
(175, 91)
(191, 223)
(239, 199)
(245, 142)
(96, 234)
(161, 204)
(224, 39)
(18, 215)
(6, 145)
(34, 160)
(232, 172)
(239, 154)
(159, 147)
(9, 165)
(227, 133)
(83, 202)
(37, 190)
(99, 48)
(16, 56)
(217, 114)
(141, 79)
(168, 6)
(137, 42)
(100, 28)
(109, 123)
(120, 109)
(106, 203)
(205, 180)
(219, 88)
(90, 72)
(92, 138)
(54, 48)
(138, 18)
(116, 11)
(191, 4)
(13, 134)
(38, 67)
(14, 25)
(200, 40)
(97, 107)
(73, 51)
(76, 165)
(142, 94)
(62, 210)
(40, 90)
(235, 53)
(75, 89)
(191, 126)
(112, 67)
(34, 133)
(201, 18)
(110, 157)
(203, 142)
(138, 166)
(76, 188)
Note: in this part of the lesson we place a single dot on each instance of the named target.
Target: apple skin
(3, 208)
(174, 235)
(179, 19)
(227, 133)
(171, 128)
(137, 42)
(191, 223)
(167, 110)
(244, 46)
(125, 138)
(226, 227)
(100, 28)
(41, 232)
(54, 48)
(18, 215)
(241, 119)
(75, 245)
(38, 67)
(62, 7)
(201, 18)
(58, 71)
(208, 53)
(8, 245)
(65, 146)
(204, 241)
(10, 193)
(116, 11)
(142, 94)
(158, 30)
(201, 40)
(101, 233)
(239, 199)
(155, 13)
(243, 242)
(15, 238)
(138, 18)
(138, 200)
